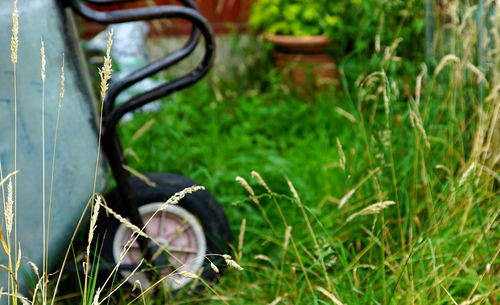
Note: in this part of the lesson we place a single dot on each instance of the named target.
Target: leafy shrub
(352, 25)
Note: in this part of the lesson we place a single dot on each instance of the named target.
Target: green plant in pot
(301, 32)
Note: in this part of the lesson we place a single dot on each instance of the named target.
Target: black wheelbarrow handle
(111, 115)
(188, 3)
(153, 68)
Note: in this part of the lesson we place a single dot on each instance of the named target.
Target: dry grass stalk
(8, 177)
(43, 61)
(444, 61)
(122, 282)
(139, 175)
(61, 90)
(14, 41)
(389, 51)
(126, 222)
(493, 95)
(179, 195)
(14, 44)
(105, 71)
(248, 188)
(466, 174)
(346, 197)
(311, 231)
(479, 74)
(188, 275)
(342, 159)
(95, 301)
(372, 209)
(61, 96)
(288, 235)
(261, 181)
(37, 287)
(44, 226)
(418, 85)
(448, 293)
(416, 121)
(93, 222)
(230, 262)
(474, 299)
(329, 295)
(137, 283)
(345, 114)
(19, 255)
(105, 75)
(8, 210)
(241, 238)
(142, 130)
(262, 257)
(35, 268)
(276, 301)
(214, 267)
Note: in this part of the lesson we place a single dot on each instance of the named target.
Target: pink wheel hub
(178, 237)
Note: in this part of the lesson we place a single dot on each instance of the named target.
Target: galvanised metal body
(77, 138)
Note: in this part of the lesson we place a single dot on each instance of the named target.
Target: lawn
(384, 190)
(429, 235)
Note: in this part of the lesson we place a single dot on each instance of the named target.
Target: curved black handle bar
(152, 68)
(112, 116)
(107, 2)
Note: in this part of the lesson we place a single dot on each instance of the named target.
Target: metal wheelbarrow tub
(197, 226)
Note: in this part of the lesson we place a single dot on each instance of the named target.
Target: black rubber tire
(201, 204)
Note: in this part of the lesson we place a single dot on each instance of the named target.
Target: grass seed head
(261, 181)
(230, 262)
(93, 221)
(35, 268)
(341, 154)
(466, 174)
(188, 275)
(61, 91)
(241, 237)
(95, 301)
(9, 215)
(372, 209)
(346, 198)
(43, 62)
(105, 71)
(248, 188)
(294, 191)
(444, 61)
(179, 195)
(288, 235)
(214, 267)
(14, 41)
(276, 301)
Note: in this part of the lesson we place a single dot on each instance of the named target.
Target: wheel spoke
(178, 232)
(160, 230)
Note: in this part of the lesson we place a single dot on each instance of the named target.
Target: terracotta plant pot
(303, 61)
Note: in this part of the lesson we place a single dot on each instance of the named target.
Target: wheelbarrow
(191, 230)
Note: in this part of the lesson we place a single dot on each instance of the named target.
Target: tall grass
(384, 193)
(90, 293)
(398, 176)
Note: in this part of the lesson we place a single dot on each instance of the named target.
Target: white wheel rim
(178, 231)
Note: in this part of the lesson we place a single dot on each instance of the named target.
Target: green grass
(438, 237)
(433, 160)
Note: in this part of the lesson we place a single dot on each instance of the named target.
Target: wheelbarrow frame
(111, 113)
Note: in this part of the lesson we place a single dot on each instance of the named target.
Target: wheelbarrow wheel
(187, 236)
